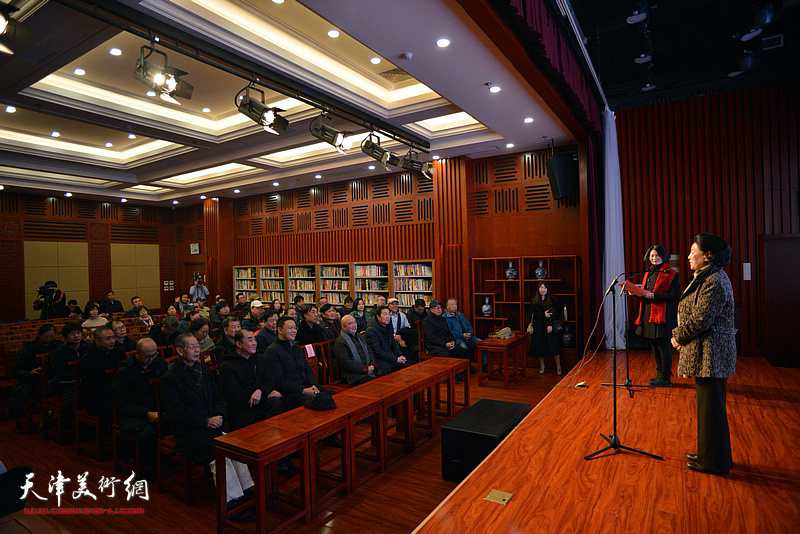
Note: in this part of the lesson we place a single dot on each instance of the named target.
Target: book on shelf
(413, 284)
(242, 285)
(367, 284)
(269, 296)
(371, 270)
(413, 269)
(370, 298)
(336, 285)
(407, 299)
(244, 272)
(335, 298)
(305, 285)
(271, 284)
(271, 272)
(301, 272)
(334, 271)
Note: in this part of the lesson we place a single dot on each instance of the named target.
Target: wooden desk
(510, 352)
(451, 367)
(259, 445)
(390, 395)
(417, 382)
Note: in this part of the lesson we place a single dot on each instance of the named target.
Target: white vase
(511, 272)
(486, 308)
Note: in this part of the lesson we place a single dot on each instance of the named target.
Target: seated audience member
(299, 304)
(242, 304)
(172, 311)
(383, 344)
(226, 341)
(462, 330)
(89, 304)
(347, 308)
(184, 326)
(356, 363)
(290, 370)
(135, 399)
(183, 304)
(254, 317)
(219, 313)
(101, 357)
(379, 303)
(322, 301)
(439, 340)
(199, 328)
(361, 315)
(121, 340)
(401, 330)
(218, 299)
(165, 333)
(73, 349)
(291, 312)
(277, 305)
(28, 369)
(111, 306)
(397, 319)
(309, 331)
(136, 303)
(74, 310)
(198, 290)
(247, 385)
(95, 319)
(143, 317)
(269, 333)
(195, 409)
(202, 309)
(330, 323)
(416, 314)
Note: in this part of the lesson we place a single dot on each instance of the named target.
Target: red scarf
(658, 310)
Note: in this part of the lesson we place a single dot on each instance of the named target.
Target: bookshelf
(334, 282)
(303, 282)
(412, 280)
(273, 283)
(370, 280)
(245, 280)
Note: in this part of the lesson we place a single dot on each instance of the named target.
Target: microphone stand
(613, 439)
(628, 384)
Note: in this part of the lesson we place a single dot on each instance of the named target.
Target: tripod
(628, 384)
(613, 439)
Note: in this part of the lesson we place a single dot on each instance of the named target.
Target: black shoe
(472, 370)
(332, 441)
(662, 383)
(287, 469)
(691, 457)
(652, 381)
(249, 494)
(233, 503)
(694, 466)
(248, 515)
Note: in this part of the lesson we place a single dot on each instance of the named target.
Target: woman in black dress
(658, 311)
(544, 341)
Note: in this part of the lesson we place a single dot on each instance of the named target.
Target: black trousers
(662, 351)
(713, 435)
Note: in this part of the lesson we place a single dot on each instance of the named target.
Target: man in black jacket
(416, 313)
(226, 343)
(309, 331)
(356, 362)
(111, 305)
(121, 340)
(384, 346)
(96, 383)
(135, 399)
(269, 334)
(136, 303)
(254, 317)
(247, 385)
(439, 340)
(289, 367)
(195, 408)
(73, 350)
(164, 334)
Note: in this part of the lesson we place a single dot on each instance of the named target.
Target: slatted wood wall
(724, 163)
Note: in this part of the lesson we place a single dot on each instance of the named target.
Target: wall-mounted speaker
(562, 170)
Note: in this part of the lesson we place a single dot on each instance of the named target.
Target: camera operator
(51, 301)
(198, 290)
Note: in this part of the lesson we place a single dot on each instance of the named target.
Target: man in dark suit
(164, 334)
(136, 303)
(226, 343)
(135, 399)
(121, 340)
(195, 408)
(103, 356)
(439, 340)
(111, 305)
(356, 363)
(269, 334)
(308, 330)
(384, 346)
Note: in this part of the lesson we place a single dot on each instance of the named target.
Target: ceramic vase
(511, 272)
(486, 308)
(540, 272)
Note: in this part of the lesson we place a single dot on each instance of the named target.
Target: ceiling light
(645, 46)
(641, 8)
(55, 134)
(528, 120)
(206, 110)
(115, 52)
(12, 31)
(109, 145)
(164, 80)
(509, 145)
(411, 163)
(746, 61)
(11, 109)
(174, 201)
(131, 136)
(79, 72)
(435, 157)
(371, 146)
(150, 93)
(648, 85)
(762, 16)
(371, 167)
(318, 176)
(375, 60)
(259, 112)
(495, 89)
(215, 199)
(236, 191)
(276, 184)
(325, 132)
(333, 34)
(277, 1)
(2, 187)
(443, 43)
(202, 197)
(123, 200)
(67, 194)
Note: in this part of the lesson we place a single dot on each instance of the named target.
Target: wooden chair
(324, 352)
(54, 408)
(33, 402)
(116, 436)
(82, 417)
(422, 354)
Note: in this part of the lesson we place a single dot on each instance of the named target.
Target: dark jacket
(437, 331)
(28, 359)
(414, 317)
(111, 307)
(161, 337)
(381, 341)
(332, 329)
(310, 333)
(289, 367)
(265, 338)
(250, 323)
(239, 378)
(223, 347)
(188, 405)
(96, 384)
(133, 394)
(350, 368)
(60, 370)
(127, 345)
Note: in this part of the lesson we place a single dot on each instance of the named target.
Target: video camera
(46, 293)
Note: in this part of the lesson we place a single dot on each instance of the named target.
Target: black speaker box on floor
(470, 436)
(562, 170)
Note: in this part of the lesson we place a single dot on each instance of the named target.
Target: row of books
(269, 296)
(301, 272)
(242, 285)
(337, 272)
(370, 298)
(333, 298)
(301, 284)
(413, 284)
(371, 270)
(270, 272)
(372, 285)
(244, 272)
(412, 269)
(407, 299)
(271, 284)
(340, 285)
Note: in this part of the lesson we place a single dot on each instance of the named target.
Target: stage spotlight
(411, 163)
(12, 31)
(341, 141)
(641, 8)
(165, 81)
(371, 146)
(258, 111)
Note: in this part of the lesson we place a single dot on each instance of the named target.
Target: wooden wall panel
(724, 163)
(12, 277)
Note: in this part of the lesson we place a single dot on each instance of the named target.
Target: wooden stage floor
(556, 490)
